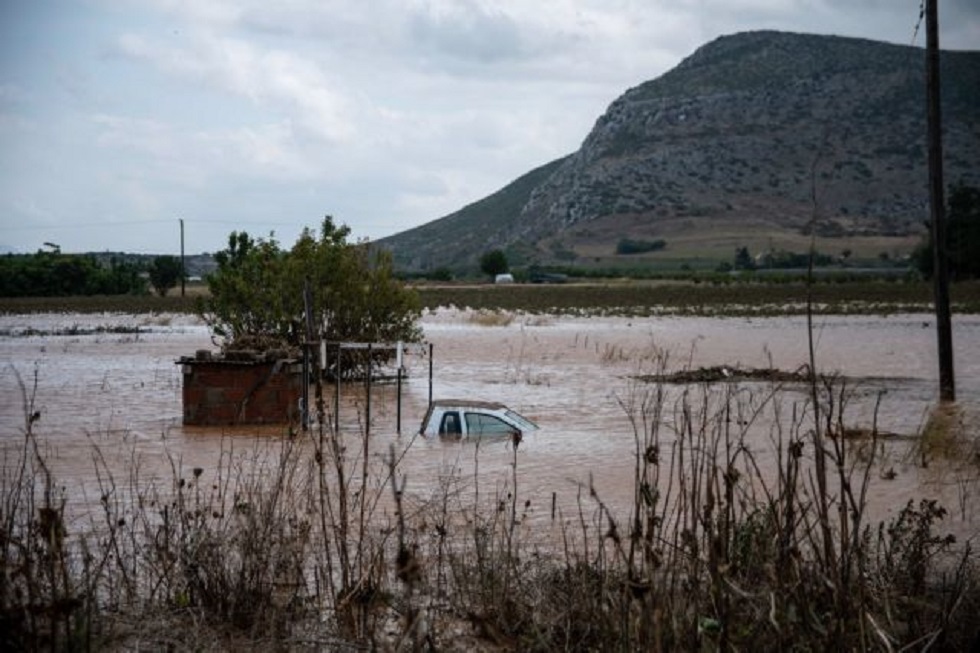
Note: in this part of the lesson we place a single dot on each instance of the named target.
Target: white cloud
(194, 159)
(263, 151)
(280, 80)
(146, 136)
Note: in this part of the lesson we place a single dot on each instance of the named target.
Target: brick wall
(222, 391)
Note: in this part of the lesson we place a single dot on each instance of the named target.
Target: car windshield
(524, 423)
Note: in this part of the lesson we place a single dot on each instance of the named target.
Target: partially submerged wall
(240, 388)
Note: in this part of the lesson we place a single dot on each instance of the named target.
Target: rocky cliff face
(764, 131)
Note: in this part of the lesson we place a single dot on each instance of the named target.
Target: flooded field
(117, 394)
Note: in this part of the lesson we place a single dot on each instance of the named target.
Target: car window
(450, 424)
(480, 424)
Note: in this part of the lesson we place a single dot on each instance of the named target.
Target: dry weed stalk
(726, 546)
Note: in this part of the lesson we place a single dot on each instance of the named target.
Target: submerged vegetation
(318, 541)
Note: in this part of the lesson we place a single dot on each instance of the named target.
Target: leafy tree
(257, 290)
(962, 236)
(165, 272)
(964, 232)
(354, 287)
(122, 278)
(493, 262)
(744, 260)
(246, 290)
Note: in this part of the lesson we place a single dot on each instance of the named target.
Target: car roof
(468, 403)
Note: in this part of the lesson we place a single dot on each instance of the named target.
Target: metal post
(430, 373)
(183, 268)
(336, 398)
(367, 408)
(307, 343)
(304, 396)
(398, 401)
(947, 383)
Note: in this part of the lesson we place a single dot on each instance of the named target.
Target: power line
(918, 23)
(123, 223)
(79, 225)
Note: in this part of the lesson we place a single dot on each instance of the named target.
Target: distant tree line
(49, 273)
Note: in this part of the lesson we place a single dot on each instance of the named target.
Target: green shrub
(258, 290)
(629, 246)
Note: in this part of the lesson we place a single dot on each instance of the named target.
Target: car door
(482, 424)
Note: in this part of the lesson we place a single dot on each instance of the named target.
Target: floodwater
(118, 396)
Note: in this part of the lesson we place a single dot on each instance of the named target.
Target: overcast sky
(118, 118)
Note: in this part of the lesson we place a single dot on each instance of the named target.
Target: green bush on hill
(630, 246)
(493, 263)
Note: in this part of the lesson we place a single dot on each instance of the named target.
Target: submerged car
(466, 418)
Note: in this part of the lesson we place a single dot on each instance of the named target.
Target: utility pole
(940, 269)
(183, 269)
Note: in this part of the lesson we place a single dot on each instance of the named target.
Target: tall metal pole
(430, 373)
(940, 268)
(398, 404)
(336, 396)
(183, 269)
(367, 403)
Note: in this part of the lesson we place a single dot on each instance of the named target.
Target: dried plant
(748, 529)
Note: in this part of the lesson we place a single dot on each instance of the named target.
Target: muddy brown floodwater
(118, 395)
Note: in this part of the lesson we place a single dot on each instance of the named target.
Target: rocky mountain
(756, 140)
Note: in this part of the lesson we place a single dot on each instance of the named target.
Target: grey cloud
(469, 33)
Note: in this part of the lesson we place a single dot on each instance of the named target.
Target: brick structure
(241, 388)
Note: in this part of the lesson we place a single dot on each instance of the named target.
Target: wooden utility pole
(940, 268)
